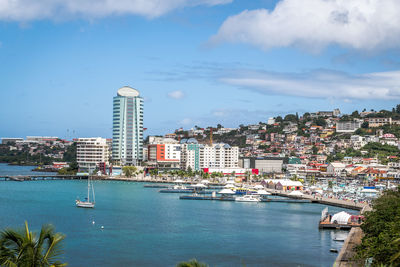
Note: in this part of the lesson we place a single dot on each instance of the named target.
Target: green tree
(355, 114)
(314, 150)
(291, 117)
(191, 263)
(382, 231)
(24, 248)
(129, 171)
(320, 121)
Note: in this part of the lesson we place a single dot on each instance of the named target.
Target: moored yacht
(248, 198)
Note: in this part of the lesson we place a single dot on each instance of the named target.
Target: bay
(145, 228)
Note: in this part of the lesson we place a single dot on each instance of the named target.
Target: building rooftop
(127, 91)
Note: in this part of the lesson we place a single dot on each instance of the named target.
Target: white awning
(296, 193)
(263, 192)
(198, 185)
(341, 217)
(226, 191)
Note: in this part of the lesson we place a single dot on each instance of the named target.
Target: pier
(347, 204)
(21, 178)
(224, 198)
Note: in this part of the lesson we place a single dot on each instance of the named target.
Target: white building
(347, 126)
(127, 147)
(271, 121)
(153, 140)
(6, 140)
(378, 122)
(90, 152)
(199, 156)
(335, 168)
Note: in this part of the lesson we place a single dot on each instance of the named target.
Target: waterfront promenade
(323, 200)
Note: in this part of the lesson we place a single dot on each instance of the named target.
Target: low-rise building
(7, 140)
(347, 126)
(264, 165)
(378, 122)
(335, 168)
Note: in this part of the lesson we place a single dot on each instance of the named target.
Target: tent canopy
(341, 217)
(296, 193)
(262, 192)
(226, 191)
(199, 185)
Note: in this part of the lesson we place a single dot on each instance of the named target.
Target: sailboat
(87, 203)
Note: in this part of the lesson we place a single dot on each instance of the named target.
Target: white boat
(87, 203)
(248, 198)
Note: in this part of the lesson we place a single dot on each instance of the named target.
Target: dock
(322, 200)
(38, 177)
(225, 198)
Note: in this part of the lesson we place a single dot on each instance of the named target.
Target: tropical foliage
(191, 263)
(24, 248)
(129, 171)
(381, 241)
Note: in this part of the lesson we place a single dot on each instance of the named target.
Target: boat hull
(82, 204)
(248, 198)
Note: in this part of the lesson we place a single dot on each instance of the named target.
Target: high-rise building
(127, 143)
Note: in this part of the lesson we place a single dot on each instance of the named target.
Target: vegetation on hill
(382, 231)
(22, 157)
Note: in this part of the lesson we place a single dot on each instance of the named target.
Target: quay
(323, 200)
(223, 198)
(21, 178)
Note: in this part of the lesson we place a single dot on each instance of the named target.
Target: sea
(136, 226)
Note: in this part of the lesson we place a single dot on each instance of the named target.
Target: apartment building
(347, 126)
(91, 152)
(165, 155)
(377, 122)
(199, 156)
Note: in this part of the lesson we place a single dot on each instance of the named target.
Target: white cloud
(186, 121)
(27, 10)
(320, 84)
(314, 24)
(176, 94)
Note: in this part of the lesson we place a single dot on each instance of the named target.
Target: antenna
(211, 136)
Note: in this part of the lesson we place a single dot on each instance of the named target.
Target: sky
(195, 62)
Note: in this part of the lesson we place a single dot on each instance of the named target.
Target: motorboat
(248, 198)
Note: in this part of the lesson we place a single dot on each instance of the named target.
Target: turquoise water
(145, 228)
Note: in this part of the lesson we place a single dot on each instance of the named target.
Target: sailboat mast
(88, 190)
(94, 198)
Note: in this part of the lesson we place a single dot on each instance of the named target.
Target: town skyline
(64, 63)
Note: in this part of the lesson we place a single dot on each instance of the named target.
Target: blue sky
(198, 62)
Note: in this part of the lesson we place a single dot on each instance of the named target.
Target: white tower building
(127, 144)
